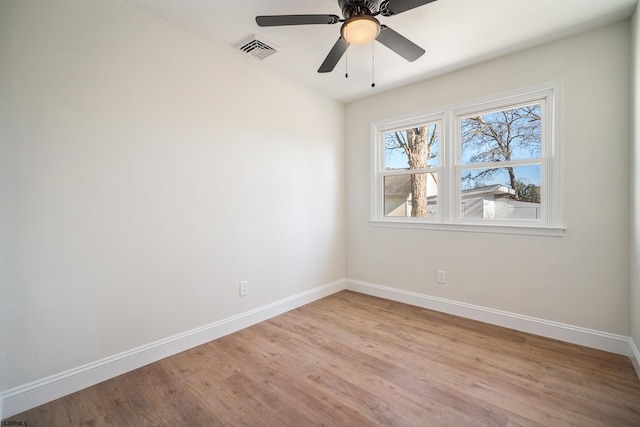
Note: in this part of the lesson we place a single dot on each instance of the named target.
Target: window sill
(531, 230)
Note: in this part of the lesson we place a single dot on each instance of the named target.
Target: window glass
(411, 195)
(411, 148)
(501, 193)
(511, 134)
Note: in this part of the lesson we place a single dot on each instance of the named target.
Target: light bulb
(361, 29)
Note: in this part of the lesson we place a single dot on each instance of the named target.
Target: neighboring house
(488, 202)
(496, 202)
(397, 195)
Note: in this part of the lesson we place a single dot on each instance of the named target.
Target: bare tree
(495, 137)
(417, 144)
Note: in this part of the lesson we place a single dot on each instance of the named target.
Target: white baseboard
(635, 356)
(30, 395)
(573, 334)
(25, 397)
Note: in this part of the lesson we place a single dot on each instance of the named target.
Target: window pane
(503, 135)
(411, 195)
(501, 193)
(413, 148)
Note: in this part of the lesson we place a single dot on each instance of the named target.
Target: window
(411, 166)
(490, 165)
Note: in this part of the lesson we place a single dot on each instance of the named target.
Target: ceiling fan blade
(399, 44)
(334, 56)
(394, 7)
(279, 20)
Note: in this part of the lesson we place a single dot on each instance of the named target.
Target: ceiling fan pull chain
(373, 64)
(346, 65)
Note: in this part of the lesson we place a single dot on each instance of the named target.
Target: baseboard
(635, 356)
(25, 397)
(573, 334)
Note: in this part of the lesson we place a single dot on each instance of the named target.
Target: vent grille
(257, 48)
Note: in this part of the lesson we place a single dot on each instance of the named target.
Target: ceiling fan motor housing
(358, 7)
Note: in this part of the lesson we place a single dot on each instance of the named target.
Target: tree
(527, 192)
(417, 144)
(499, 137)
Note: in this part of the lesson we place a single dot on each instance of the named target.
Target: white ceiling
(455, 33)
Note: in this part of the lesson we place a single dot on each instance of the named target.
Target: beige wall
(580, 279)
(145, 172)
(635, 184)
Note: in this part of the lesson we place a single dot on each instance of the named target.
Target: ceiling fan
(359, 27)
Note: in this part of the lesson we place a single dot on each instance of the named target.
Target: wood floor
(356, 360)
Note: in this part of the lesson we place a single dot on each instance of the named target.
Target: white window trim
(449, 205)
(378, 159)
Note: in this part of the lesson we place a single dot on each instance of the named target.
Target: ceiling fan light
(360, 29)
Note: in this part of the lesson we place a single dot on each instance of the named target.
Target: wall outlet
(442, 276)
(244, 288)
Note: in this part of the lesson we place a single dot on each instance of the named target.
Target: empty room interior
(438, 226)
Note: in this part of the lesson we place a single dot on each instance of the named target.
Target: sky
(523, 120)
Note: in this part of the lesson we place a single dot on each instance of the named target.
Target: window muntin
(503, 157)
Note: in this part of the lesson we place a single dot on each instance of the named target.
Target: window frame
(379, 160)
(449, 166)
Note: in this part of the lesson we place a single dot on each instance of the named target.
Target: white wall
(145, 172)
(7, 190)
(580, 279)
(635, 184)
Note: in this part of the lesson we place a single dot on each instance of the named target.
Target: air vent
(257, 48)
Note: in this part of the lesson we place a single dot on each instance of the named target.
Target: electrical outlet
(244, 288)
(442, 276)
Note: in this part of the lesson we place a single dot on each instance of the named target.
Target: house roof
(397, 186)
(400, 186)
(497, 189)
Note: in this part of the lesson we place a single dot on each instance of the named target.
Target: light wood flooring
(355, 360)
